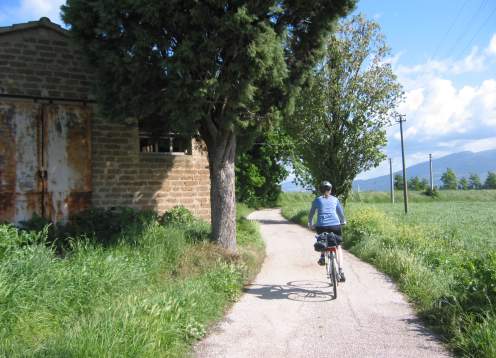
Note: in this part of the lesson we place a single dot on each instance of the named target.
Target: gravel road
(289, 310)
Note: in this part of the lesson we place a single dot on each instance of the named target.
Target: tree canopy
(222, 68)
(340, 118)
(474, 181)
(490, 182)
(449, 179)
(417, 184)
(260, 169)
(398, 181)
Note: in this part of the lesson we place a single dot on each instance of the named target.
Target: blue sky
(444, 53)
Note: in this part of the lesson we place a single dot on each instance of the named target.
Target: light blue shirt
(330, 212)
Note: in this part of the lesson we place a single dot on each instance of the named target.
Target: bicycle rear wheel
(333, 274)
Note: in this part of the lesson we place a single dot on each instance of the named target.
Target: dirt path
(289, 310)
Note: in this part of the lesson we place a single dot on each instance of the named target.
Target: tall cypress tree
(222, 68)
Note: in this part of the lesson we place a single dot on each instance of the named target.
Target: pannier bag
(325, 240)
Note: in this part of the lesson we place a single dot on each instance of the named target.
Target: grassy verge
(442, 255)
(152, 292)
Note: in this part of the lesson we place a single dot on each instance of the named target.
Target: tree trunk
(221, 156)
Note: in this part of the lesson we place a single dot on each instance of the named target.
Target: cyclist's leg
(340, 257)
(321, 260)
(336, 229)
(339, 253)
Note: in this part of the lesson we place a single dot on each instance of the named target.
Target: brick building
(57, 158)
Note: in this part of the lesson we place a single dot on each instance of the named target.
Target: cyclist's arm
(340, 212)
(310, 215)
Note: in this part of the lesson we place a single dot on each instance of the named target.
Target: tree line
(449, 181)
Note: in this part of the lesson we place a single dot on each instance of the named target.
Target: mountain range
(462, 163)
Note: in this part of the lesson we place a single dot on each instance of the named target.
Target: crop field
(442, 255)
(472, 223)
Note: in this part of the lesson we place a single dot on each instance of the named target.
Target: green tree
(474, 181)
(424, 184)
(222, 68)
(449, 179)
(463, 183)
(339, 121)
(490, 182)
(417, 184)
(260, 169)
(398, 182)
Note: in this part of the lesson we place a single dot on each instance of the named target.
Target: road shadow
(303, 291)
(418, 325)
(271, 222)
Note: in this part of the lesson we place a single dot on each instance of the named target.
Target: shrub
(433, 193)
(178, 215)
(12, 238)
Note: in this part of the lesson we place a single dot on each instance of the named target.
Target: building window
(172, 143)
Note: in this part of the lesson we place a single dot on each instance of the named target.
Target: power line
(478, 31)
(464, 32)
(450, 28)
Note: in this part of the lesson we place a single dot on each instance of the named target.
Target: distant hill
(289, 186)
(462, 163)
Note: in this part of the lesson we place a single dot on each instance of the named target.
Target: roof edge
(42, 22)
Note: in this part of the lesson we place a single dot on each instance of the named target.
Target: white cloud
(439, 108)
(413, 100)
(393, 61)
(486, 102)
(29, 10)
(491, 49)
(475, 61)
(480, 144)
(436, 105)
(444, 114)
(476, 145)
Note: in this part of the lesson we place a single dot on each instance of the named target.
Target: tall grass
(151, 293)
(442, 255)
(418, 196)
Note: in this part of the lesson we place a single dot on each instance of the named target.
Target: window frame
(169, 136)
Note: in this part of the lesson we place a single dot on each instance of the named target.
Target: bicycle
(328, 243)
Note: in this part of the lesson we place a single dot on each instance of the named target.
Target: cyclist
(330, 218)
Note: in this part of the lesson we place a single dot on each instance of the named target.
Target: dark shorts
(336, 229)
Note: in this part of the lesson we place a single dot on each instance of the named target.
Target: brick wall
(38, 59)
(122, 176)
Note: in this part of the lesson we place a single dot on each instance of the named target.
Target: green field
(417, 196)
(133, 285)
(442, 255)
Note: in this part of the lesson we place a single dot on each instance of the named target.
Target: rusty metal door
(66, 160)
(20, 185)
(45, 160)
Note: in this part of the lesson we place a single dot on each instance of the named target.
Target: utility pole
(391, 181)
(401, 119)
(431, 182)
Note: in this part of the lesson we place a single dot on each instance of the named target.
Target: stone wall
(122, 176)
(38, 58)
